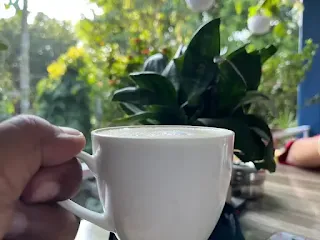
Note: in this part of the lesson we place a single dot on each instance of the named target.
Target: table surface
(291, 203)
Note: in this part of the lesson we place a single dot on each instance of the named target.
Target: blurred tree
(6, 105)
(24, 60)
(159, 23)
(281, 76)
(63, 98)
(46, 45)
(284, 17)
(24, 68)
(284, 71)
(120, 38)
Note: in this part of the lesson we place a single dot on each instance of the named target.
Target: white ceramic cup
(159, 188)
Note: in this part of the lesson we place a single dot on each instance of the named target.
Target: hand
(37, 168)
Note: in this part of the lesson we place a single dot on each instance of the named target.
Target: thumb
(28, 143)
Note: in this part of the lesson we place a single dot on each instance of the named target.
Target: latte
(161, 132)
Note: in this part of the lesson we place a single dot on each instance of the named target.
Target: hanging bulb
(200, 5)
(259, 25)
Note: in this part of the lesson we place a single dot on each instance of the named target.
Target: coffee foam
(161, 132)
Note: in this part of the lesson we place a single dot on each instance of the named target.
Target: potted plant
(200, 87)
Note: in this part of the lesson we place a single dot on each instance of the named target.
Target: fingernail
(18, 226)
(70, 131)
(45, 192)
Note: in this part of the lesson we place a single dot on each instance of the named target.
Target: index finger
(29, 142)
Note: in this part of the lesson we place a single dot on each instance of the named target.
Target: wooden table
(291, 203)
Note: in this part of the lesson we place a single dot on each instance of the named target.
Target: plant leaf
(135, 118)
(168, 115)
(253, 10)
(252, 97)
(238, 6)
(280, 30)
(248, 64)
(3, 47)
(244, 139)
(171, 69)
(138, 96)
(229, 92)
(210, 103)
(270, 163)
(263, 135)
(155, 63)
(195, 87)
(156, 83)
(168, 70)
(257, 122)
(196, 65)
(203, 48)
(240, 72)
(267, 52)
(130, 109)
(156, 114)
(271, 7)
(205, 42)
(261, 128)
(238, 51)
(195, 114)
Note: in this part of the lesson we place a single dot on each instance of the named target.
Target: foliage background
(46, 45)
(118, 40)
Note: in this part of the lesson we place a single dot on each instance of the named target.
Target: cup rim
(216, 132)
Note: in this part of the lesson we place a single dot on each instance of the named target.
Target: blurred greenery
(64, 97)
(281, 76)
(46, 45)
(6, 106)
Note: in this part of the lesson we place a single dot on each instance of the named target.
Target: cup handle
(103, 220)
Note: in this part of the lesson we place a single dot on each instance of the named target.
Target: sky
(60, 9)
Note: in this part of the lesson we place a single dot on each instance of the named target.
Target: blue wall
(310, 115)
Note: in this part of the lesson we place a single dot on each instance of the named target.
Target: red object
(283, 157)
(137, 40)
(164, 51)
(112, 82)
(145, 51)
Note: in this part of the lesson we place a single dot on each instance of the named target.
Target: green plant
(3, 46)
(285, 119)
(200, 87)
(281, 76)
(67, 103)
(64, 98)
(7, 98)
(6, 88)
